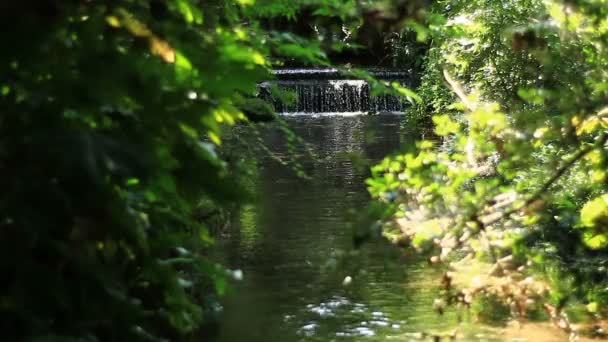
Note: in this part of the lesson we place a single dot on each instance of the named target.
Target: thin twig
(457, 88)
(556, 176)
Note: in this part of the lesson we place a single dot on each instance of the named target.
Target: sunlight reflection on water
(295, 248)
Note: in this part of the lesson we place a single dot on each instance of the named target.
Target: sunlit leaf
(595, 212)
(595, 240)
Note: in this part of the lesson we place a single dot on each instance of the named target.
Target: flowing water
(304, 278)
(326, 91)
(295, 248)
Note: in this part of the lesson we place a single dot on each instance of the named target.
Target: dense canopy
(113, 114)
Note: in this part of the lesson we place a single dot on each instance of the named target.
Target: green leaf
(595, 240)
(190, 11)
(183, 66)
(595, 212)
(444, 125)
(404, 91)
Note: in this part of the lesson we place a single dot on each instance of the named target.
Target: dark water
(295, 248)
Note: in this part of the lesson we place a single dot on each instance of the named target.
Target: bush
(518, 174)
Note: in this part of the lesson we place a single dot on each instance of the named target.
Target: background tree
(516, 185)
(111, 114)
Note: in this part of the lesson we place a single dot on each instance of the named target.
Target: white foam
(337, 114)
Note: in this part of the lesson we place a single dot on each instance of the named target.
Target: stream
(303, 277)
(305, 274)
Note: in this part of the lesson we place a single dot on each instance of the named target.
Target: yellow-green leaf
(595, 212)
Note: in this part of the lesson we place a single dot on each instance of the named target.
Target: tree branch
(556, 176)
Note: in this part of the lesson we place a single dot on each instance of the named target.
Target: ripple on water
(308, 329)
(379, 323)
(344, 318)
(364, 331)
(284, 242)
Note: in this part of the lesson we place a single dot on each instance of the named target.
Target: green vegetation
(514, 187)
(111, 116)
(114, 173)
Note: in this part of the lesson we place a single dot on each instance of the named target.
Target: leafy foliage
(112, 115)
(518, 96)
(111, 153)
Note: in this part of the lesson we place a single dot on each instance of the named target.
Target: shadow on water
(295, 248)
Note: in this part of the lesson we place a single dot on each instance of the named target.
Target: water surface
(295, 248)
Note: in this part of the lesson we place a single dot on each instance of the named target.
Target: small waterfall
(326, 91)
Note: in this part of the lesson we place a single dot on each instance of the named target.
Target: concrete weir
(330, 91)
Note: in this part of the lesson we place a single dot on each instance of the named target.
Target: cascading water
(326, 91)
